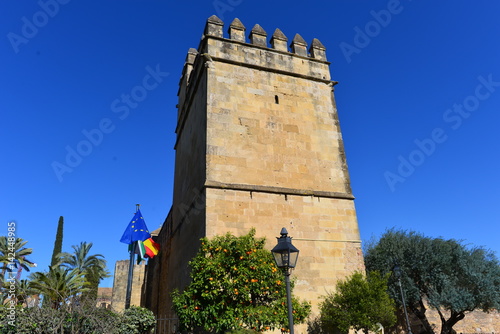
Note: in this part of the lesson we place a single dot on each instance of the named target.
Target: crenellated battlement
(258, 37)
(295, 59)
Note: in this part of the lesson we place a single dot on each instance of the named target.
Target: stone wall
(323, 229)
(104, 297)
(120, 285)
(474, 322)
(258, 146)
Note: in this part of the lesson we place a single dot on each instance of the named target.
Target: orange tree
(235, 284)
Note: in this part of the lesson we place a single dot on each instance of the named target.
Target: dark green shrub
(32, 320)
(77, 319)
(137, 320)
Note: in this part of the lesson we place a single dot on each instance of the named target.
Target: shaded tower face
(259, 145)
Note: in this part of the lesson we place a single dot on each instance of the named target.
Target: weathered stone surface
(299, 46)
(213, 27)
(279, 40)
(120, 285)
(325, 231)
(474, 322)
(258, 145)
(258, 36)
(317, 50)
(237, 31)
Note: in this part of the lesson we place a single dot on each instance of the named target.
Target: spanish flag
(152, 248)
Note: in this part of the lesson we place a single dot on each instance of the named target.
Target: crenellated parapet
(214, 26)
(237, 31)
(252, 49)
(278, 41)
(186, 72)
(258, 37)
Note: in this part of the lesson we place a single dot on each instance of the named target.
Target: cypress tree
(58, 242)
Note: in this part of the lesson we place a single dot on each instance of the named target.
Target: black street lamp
(286, 255)
(397, 271)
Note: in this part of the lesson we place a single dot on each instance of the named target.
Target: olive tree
(445, 275)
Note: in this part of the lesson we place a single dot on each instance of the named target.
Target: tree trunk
(447, 325)
(419, 310)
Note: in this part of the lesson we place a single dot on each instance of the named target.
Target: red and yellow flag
(152, 248)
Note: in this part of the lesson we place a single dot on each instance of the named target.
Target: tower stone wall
(258, 145)
(120, 285)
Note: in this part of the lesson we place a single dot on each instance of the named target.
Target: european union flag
(136, 230)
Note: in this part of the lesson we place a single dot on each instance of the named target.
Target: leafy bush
(235, 285)
(360, 303)
(32, 320)
(81, 320)
(137, 320)
(241, 331)
(92, 320)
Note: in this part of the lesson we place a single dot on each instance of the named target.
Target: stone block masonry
(258, 145)
(120, 285)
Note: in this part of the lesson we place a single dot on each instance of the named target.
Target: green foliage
(58, 242)
(235, 285)
(81, 319)
(92, 320)
(74, 277)
(32, 320)
(241, 331)
(68, 307)
(445, 273)
(23, 291)
(9, 245)
(137, 320)
(359, 303)
(92, 267)
(59, 285)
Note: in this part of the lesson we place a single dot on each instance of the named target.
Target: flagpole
(131, 269)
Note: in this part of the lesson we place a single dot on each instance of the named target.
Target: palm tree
(16, 247)
(59, 285)
(93, 267)
(13, 256)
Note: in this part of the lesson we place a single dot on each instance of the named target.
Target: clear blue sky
(418, 101)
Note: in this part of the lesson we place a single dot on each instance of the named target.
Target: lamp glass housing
(285, 253)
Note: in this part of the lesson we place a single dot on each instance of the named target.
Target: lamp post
(286, 255)
(397, 271)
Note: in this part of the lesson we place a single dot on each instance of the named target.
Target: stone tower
(120, 285)
(258, 145)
